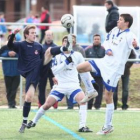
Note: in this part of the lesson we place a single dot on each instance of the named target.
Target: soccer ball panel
(67, 20)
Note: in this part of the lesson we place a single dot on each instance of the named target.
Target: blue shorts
(32, 77)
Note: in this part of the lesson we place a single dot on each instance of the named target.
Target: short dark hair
(109, 2)
(127, 18)
(96, 35)
(27, 28)
(65, 37)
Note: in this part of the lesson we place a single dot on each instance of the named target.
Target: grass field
(63, 125)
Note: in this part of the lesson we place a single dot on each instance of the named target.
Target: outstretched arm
(50, 52)
(11, 45)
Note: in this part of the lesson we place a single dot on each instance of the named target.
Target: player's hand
(16, 31)
(110, 53)
(70, 38)
(134, 43)
(68, 60)
(55, 81)
(69, 43)
(11, 53)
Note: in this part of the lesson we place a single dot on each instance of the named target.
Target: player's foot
(85, 129)
(105, 131)
(22, 128)
(31, 124)
(89, 96)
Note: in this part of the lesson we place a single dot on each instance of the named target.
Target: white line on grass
(62, 127)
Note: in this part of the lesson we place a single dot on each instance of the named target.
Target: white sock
(39, 114)
(86, 79)
(82, 115)
(109, 114)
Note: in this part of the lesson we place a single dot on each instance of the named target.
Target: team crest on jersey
(36, 51)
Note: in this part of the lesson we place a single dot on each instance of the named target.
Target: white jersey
(67, 74)
(121, 45)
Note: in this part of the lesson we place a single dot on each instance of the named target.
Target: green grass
(126, 125)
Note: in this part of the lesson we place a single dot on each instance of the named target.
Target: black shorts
(32, 77)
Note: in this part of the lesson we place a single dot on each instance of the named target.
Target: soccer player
(119, 43)
(64, 68)
(30, 61)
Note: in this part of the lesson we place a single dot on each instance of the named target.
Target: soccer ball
(67, 20)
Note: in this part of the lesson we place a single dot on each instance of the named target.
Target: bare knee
(84, 67)
(108, 97)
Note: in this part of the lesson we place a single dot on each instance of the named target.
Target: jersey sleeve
(13, 45)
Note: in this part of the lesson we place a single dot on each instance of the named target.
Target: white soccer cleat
(105, 131)
(89, 96)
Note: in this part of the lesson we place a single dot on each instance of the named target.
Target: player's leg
(82, 112)
(51, 99)
(84, 67)
(108, 128)
(49, 102)
(26, 107)
(90, 91)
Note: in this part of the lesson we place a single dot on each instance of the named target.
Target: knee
(47, 105)
(109, 97)
(29, 98)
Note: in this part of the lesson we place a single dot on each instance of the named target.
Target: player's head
(108, 4)
(125, 21)
(64, 40)
(30, 33)
(48, 36)
(96, 39)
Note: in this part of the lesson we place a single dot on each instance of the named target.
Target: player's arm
(58, 68)
(11, 44)
(50, 52)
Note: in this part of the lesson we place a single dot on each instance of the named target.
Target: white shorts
(59, 92)
(110, 78)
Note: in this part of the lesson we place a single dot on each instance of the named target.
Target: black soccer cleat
(31, 124)
(85, 129)
(22, 128)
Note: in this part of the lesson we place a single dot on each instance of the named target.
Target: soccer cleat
(105, 131)
(89, 96)
(84, 129)
(22, 128)
(31, 124)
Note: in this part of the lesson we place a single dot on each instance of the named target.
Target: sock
(109, 114)
(83, 115)
(39, 114)
(26, 110)
(57, 50)
(86, 79)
